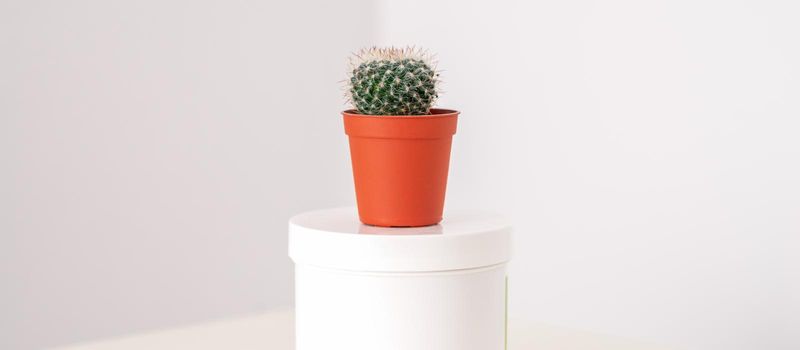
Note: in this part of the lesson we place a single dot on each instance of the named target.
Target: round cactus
(392, 81)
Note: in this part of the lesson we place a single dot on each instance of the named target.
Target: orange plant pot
(400, 166)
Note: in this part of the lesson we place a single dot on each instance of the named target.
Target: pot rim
(435, 113)
(441, 124)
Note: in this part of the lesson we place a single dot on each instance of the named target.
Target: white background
(152, 151)
(649, 152)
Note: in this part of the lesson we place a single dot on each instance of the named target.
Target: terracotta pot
(400, 166)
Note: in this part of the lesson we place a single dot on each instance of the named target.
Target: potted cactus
(399, 145)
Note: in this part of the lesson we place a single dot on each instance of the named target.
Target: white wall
(152, 151)
(648, 151)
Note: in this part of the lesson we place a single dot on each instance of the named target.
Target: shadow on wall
(153, 153)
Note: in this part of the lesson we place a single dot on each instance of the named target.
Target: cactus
(392, 81)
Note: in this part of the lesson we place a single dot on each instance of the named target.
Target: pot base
(406, 223)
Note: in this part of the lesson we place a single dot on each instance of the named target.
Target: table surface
(275, 331)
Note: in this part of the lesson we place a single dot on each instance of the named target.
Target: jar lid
(336, 239)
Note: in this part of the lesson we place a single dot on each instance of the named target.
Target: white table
(274, 331)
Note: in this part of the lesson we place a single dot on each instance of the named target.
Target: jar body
(441, 310)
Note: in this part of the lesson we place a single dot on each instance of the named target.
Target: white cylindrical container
(359, 287)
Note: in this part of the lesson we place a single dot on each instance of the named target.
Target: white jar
(359, 287)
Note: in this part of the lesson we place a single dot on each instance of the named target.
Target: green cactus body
(393, 82)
